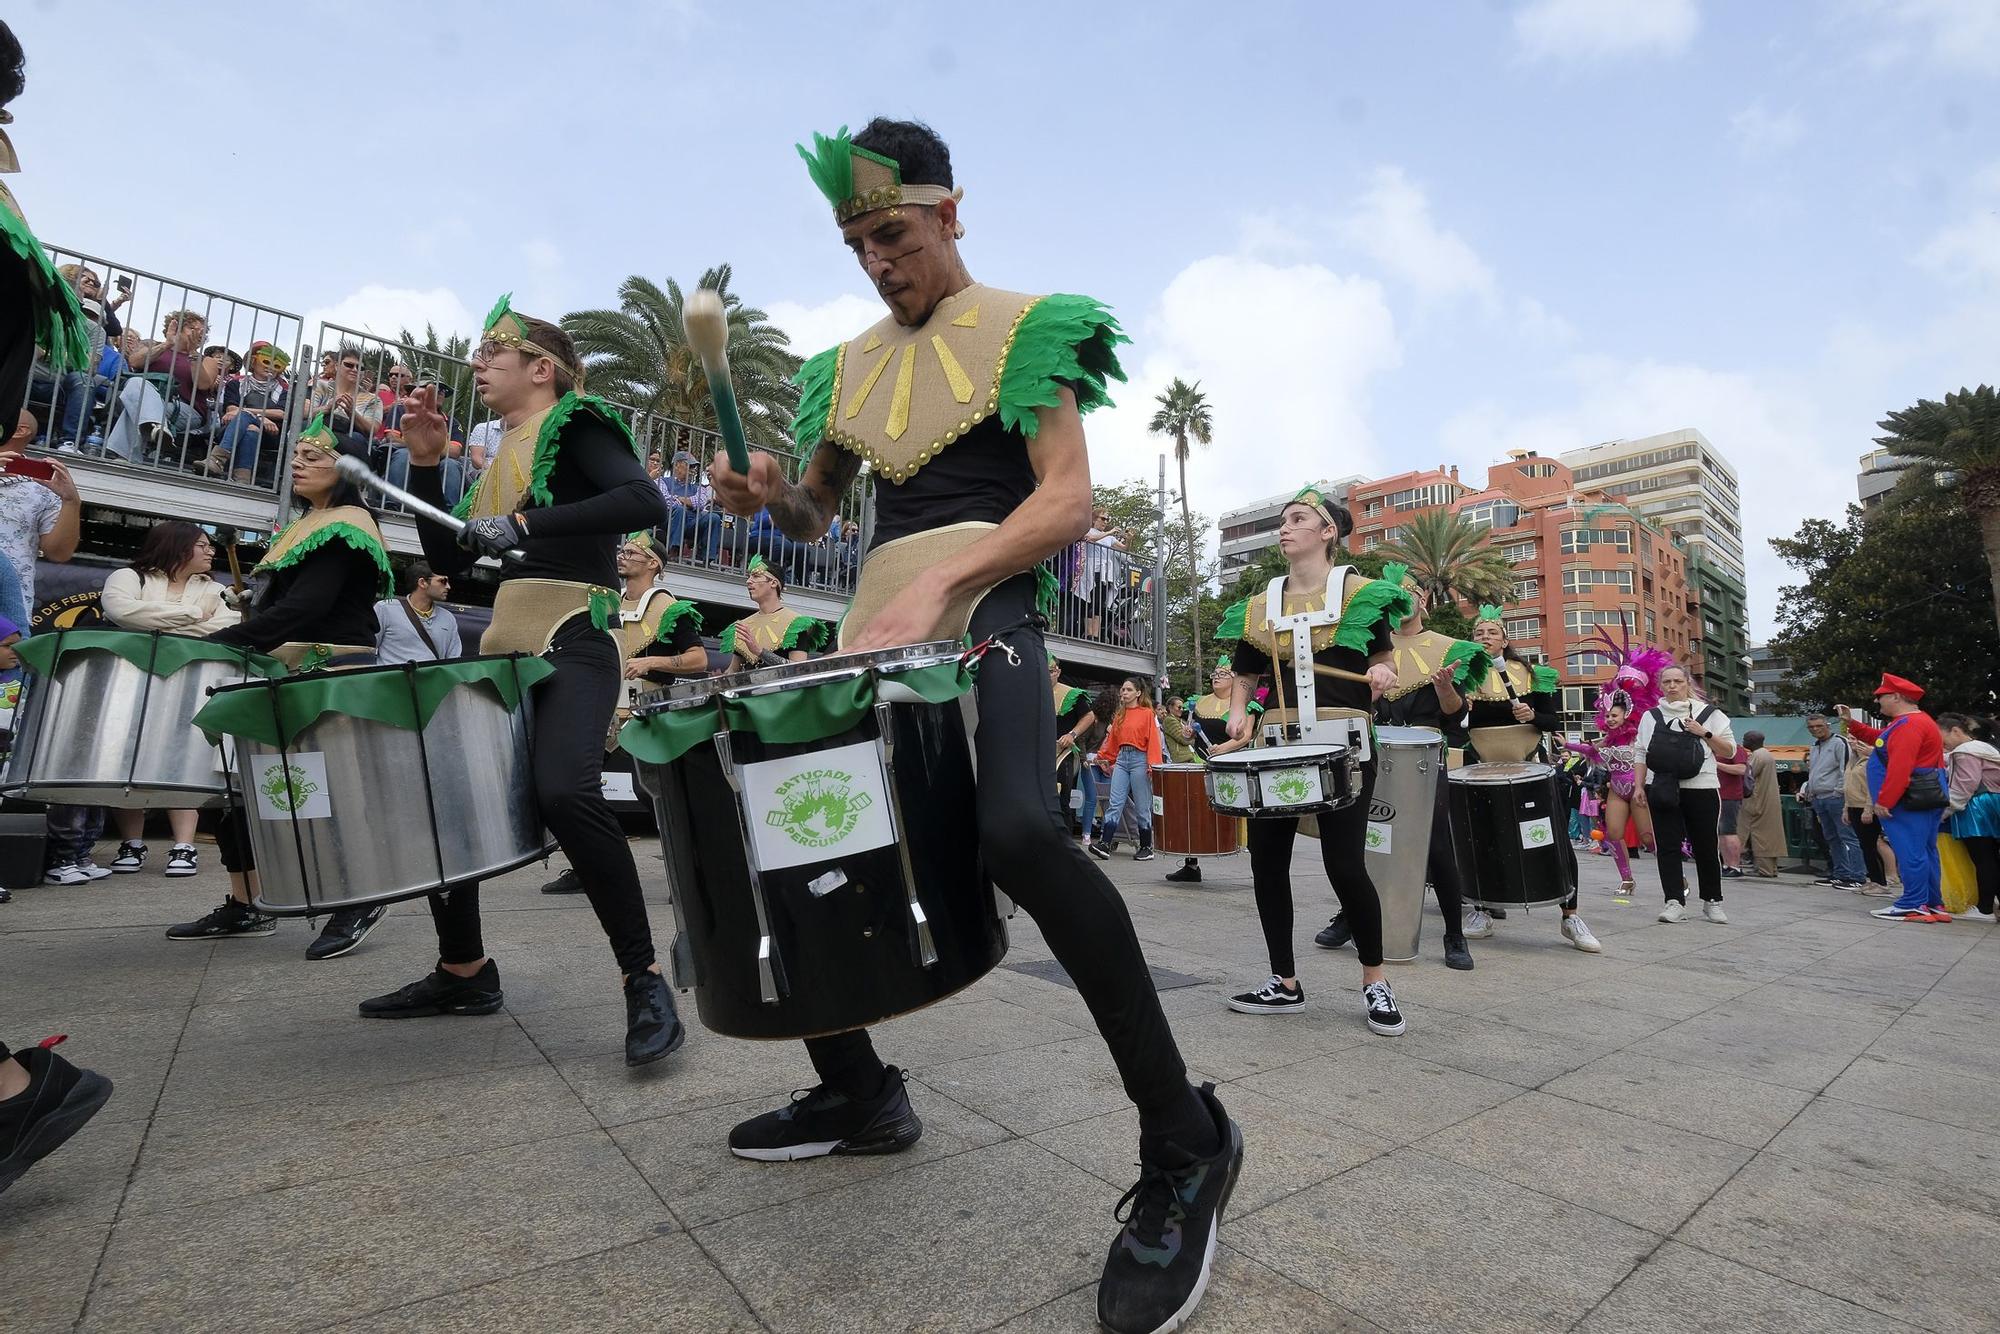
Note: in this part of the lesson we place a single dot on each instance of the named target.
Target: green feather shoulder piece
(547, 446)
(1472, 662)
(815, 382)
(1061, 340)
(1364, 611)
(804, 634)
(1232, 628)
(55, 318)
(1544, 679)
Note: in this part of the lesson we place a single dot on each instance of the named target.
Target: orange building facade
(1582, 562)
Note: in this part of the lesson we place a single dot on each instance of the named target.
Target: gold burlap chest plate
(1417, 656)
(901, 395)
(1277, 645)
(1492, 689)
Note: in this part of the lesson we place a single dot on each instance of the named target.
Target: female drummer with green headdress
(327, 569)
(773, 628)
(1510, 714)
(1348, 617)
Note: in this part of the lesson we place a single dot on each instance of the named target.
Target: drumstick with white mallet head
(707, 326)
(357, 471)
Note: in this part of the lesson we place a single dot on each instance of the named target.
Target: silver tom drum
(1409, 765)
(1283, 781)
(355, 811)
(99, 729)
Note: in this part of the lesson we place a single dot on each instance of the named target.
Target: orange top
(1137, 729)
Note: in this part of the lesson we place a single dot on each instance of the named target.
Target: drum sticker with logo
(816, 807)
(1228, 789)
(1537, 833)
(293, 788)
(1291, 787)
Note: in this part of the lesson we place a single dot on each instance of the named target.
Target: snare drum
(1283, 781)
(1504, 826)
(1184, 823)
(821, 884)
(375, 784)
(106, 719)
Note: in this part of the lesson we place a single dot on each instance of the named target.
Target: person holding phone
(40, 511)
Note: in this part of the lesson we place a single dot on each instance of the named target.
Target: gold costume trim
(1277, 646)
(507, 477)
(528, 612)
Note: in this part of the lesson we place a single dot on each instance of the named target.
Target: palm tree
(444, 360)
(1954, 446)
(1184, 415)
(1450, 557)
(638, 355)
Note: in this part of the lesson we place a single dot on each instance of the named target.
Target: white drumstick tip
(707, 326)
(353, 469)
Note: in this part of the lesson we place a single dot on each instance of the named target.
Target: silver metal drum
(99, 731)
(376, 813)
(1409, 764)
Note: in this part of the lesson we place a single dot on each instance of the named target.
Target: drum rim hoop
(355, 673)
(795, 676)
(1522, 770)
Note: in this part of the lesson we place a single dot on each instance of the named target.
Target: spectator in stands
(253, 411)
(171, 393)
(353, 414)
(417, 627)
(396, 386)
(1102, 571)
(693, 529)
(71, 396)
(393, 460)
(166, 587)
(37, 515)
(480, 444)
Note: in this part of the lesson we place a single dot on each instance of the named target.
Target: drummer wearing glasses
(980, 476)
(564, 486)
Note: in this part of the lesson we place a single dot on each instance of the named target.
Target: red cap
(1896, 685)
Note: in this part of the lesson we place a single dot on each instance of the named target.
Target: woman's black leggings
(572, 710)
(1024, 840)
(1870, 834)
(1343, 852)
(1693, 818)
(1985, 854)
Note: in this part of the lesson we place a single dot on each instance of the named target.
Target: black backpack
(1672, 753)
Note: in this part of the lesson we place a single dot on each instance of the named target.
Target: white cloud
(1537, 323)
(384, 311)
(1285, 353)
(1392, 224)
(813, 329)
(1761, 132)
(1966, 251)
(1964, 34)
(1595, 30)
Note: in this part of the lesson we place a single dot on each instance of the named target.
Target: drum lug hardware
(924, 945)
(767, 976)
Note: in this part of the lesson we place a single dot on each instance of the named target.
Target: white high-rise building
(1679, 481)
(1247, 532)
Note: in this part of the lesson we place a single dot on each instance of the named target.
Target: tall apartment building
(1680, 481)
(1250, 531)
(1870, 486)
(1583, 561)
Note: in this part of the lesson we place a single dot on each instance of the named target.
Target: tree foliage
(1451, 558)
(1954, 447)
(445, 360)
(1185, 417)
(1903, 591)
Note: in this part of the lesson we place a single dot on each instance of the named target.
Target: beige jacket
(134, 603)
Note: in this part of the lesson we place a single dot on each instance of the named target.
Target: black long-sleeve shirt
(327, 598)
(1500, 712)
(601, 492)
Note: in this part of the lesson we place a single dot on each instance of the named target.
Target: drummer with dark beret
(328, 567)
(564, 486)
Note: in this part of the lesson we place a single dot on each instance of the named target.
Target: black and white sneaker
(1274, 997)
(182, 860)
(1159, 1264)
(819, 1121)
(345, 931)
(131, 857)
(1103, 848)
(231, 919)
(1383, 1016)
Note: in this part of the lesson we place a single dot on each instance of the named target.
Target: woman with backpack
(1679, 742)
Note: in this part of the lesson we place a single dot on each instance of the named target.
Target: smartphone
(23, 466)
(124, 283)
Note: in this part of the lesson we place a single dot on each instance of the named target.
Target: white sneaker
(1675, 911)
(1478, 926)
(183, 860)
(1577, 934)
(131, 857)
(91, 870)
(1712, 912)
(1974, 915)
(71, 874)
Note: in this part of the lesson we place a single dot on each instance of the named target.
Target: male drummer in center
(979, 459)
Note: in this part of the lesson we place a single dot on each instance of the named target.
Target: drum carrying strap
(1335, 729)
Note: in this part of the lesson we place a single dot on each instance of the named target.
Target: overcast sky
(1381, 236)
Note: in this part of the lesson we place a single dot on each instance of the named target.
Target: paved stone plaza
(1779, 1124)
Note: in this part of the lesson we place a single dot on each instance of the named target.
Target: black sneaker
(652, 1029)
(345, 930)
(439, 992)
(819, 1121)
(1274, 997)
(1383, 1016)
(1189, 874)
(1732, 873)
(230, 920)
(1158, 1267)
(1456, 955)
(58, 1100)
(1496, 913)
(1334, 935)
(181, 860)
(1144, 852)
(1103, 848)
(131, 857)
(569, 882)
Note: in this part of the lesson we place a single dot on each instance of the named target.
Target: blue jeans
(1841, 840)
(452, 476)
(1130, 780)
(1086, 783)
(72, 832)
(69, 397)
(242, 440)
(699, 527)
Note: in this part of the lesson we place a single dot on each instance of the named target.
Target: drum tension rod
(767, 979)
(924, 946)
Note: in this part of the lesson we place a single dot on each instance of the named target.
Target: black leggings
(1342, 851)
(1692, 818)
(1870, 834)
(1441, 868)
(572, 710)
(1985, 853)
(1024, 840)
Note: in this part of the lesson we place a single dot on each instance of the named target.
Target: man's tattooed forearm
(803, 513)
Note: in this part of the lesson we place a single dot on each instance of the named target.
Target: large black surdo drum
(1505, 827)
(821, 841)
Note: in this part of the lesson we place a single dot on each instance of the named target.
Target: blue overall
(1913, 834)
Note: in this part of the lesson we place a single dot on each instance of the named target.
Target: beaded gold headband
(505, 326)
(856, 181)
